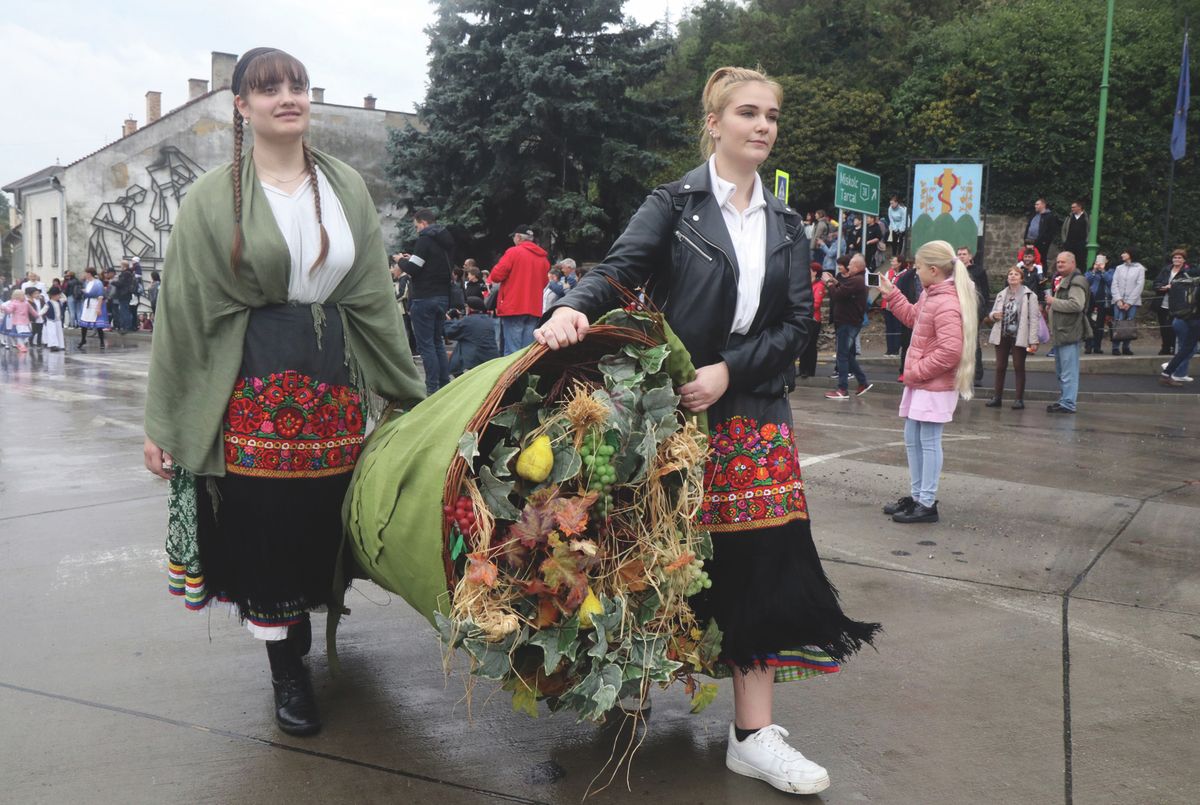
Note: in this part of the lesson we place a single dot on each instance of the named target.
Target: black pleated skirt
(270, 530)
(770, 596)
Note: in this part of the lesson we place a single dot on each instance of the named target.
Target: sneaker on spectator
(766, 756)
(837, 394)
(864, 389)
(1184, 379)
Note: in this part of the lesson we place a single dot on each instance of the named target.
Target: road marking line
(808, 462)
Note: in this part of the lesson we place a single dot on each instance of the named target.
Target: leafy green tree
(530, 117)
(847, 127)
(992, 88)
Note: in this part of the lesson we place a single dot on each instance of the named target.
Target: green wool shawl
(204, 309)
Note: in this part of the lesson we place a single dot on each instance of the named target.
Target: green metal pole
(1093, 245)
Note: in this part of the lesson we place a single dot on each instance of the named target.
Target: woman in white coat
(1014, 319)
(1128, 281)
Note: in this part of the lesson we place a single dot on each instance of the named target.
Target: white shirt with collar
(748, 231)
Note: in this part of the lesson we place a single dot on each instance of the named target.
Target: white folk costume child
(52, 331)
(276, 331)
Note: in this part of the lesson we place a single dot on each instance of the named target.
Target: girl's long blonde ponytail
(968, 302)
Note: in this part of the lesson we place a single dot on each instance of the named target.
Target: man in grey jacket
(1068, 327)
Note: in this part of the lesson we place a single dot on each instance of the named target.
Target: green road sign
(856, 190)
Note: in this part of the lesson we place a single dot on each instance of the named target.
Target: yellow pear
(535, 461)
(590, 606)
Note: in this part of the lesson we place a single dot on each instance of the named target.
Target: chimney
(129, 128)
(369, 102)
(153, 106)
(196, 88)
(222, 69)
(318, 95)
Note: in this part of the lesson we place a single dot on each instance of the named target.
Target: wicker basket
(601, 340)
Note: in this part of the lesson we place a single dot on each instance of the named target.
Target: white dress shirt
(296, 215)
(748, 231)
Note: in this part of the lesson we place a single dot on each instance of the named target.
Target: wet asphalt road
(1042, 643)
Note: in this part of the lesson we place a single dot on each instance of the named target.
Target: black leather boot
(295, 704)
(299, 636)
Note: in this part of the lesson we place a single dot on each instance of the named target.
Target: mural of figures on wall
(115, 232)
(170, 177)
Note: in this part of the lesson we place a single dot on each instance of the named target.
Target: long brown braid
(236, 256)
(311, 164)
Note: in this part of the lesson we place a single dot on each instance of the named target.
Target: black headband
(239, 72)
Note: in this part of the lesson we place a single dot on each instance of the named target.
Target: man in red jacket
(521, 273)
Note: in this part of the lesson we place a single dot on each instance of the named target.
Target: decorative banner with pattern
(946, 204)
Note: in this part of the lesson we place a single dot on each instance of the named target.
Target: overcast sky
(75, 69)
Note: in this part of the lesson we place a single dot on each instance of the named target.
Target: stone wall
(122, 200)
(1003, 236)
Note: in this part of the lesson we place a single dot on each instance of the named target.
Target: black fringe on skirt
(271, 548)
(769, 594)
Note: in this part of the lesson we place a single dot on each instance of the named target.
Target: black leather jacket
(686, 261)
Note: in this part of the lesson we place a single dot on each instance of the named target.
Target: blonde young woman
(727, 263)
(937, 369)
(1014, 319)
(275, 331)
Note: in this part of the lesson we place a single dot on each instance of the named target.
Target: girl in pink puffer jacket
(17, 317)
(938, 369)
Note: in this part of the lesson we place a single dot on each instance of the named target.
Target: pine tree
(533, 116)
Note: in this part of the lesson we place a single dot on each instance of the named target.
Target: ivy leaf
(495, 664)
(659, 404)
(480, 570)
(532, 396)
(506, 418)
(468, 446)
(619, 370)
(567, 463)
(704, 697)
(501, 456)
(449, 633)
(627, 462)
(548, 640)
(648, 608)
(525, 700)
(651, 359)
(571, 514)
(495, 494)
(622, 402)
(606, 692)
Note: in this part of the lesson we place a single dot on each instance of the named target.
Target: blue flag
(1183, 99)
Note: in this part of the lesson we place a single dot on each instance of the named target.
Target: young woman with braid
(276, 331)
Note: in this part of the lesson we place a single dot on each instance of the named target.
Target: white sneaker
(766, 756)
(1182, 379)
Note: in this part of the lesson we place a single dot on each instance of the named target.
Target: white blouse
(748, 231)
(296, 215)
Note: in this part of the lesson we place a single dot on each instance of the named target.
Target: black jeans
(1166, 328)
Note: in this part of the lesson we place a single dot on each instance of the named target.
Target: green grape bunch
(600, 475)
